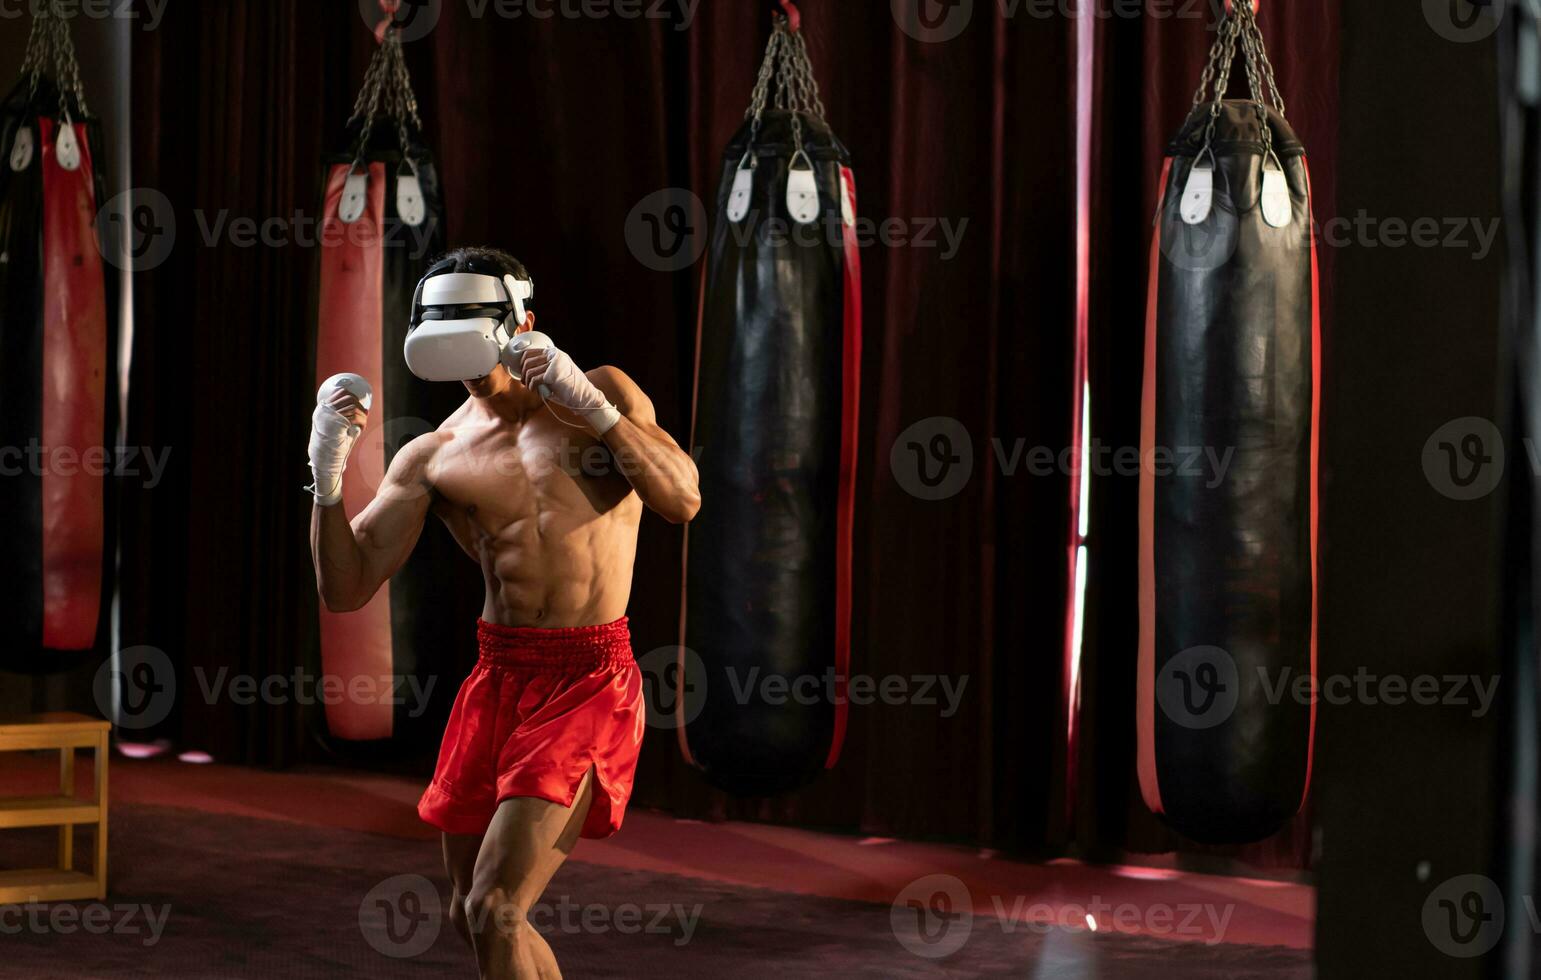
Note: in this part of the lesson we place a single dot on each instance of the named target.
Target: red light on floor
(142, 750)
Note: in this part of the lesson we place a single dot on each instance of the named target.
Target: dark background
(549, 132)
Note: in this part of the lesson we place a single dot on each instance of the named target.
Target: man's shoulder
(609, 374)
(418, 451)
(617, 386)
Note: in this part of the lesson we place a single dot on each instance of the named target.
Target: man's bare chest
(511, 472)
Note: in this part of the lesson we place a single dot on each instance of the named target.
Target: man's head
(489, 294)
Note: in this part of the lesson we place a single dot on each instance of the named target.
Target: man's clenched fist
(551, 372)
(342, 410)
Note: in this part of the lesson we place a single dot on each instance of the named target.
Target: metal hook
(794, 18)
(1230, 6)
(389, 8)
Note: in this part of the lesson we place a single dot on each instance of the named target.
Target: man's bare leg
(526, 843)
(460, 852)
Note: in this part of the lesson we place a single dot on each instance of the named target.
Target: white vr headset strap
(519, 290)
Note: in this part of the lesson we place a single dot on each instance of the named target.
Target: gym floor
(198, 847)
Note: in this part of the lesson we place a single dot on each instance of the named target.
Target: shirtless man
(542, 743)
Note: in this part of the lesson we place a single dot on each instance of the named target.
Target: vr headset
(462, 320)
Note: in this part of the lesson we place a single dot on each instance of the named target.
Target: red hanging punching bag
(383, 224)
(58, 364)
(1228, 549)
(766, 609)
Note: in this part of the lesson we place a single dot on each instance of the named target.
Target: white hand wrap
(571, 389)
(332, 437)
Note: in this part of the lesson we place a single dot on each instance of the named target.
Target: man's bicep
(389, 527)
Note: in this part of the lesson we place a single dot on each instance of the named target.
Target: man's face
(500, 380)
(495, 383)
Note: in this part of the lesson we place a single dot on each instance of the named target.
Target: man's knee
(495, 911)
(457, 913)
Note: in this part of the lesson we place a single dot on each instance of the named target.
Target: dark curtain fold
(215, 558)
(1147, 69)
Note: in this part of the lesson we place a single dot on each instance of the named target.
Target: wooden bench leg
(67, 788)
(100, 865)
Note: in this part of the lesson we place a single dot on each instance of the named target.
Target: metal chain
(1230, 30)
(761, 96)
(404, 102)
(784, 73)
(1240, 25)
(68, 67)
(51, 47)
(36, 59)
(796, 89)
(786, 81)
(387, 90)
(1254, 79)
(1216, 52)
(1266, 66)
(808, 85)
(1257, 62)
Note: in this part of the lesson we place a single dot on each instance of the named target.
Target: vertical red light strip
(1085, 41)
(845, 501)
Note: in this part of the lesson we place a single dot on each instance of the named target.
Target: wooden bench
(65, 731)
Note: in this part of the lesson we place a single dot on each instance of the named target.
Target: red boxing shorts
(540, 708)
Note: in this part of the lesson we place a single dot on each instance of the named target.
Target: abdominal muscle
(564, 576)
(556, 547)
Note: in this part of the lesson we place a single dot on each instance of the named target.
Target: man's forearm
(663, 475)
(338, 559)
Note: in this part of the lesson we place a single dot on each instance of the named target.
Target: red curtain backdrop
(548, 133)
(1147, 69)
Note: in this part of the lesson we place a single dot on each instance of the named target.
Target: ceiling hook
(389, 8)
(794, 18)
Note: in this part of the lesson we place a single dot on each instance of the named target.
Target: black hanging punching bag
(383, 224)
(1228, 537)
(766, 611)
(58, 367)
